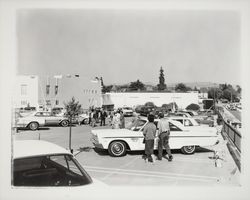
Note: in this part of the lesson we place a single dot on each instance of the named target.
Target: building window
(23, 89)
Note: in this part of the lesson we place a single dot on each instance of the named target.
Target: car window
(179, 120)
(40, 114)
(71, 166)
(187, 122)
(46, 114)
(137, 125)
(54, 170)
(173, 127)
(60, 160)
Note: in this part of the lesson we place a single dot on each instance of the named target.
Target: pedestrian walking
(103, 117)
(163, 135)
(122, 120)
(149, 133)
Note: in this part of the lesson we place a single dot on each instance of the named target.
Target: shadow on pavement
(40, 129)
(101, 152)
(202, 150)
(104, 152)
(56, 125)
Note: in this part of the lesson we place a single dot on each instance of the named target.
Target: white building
(57, 90)
(139, 98)
(25, 92)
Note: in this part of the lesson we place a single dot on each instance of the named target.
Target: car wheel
(117, 148)
(188, 149)
(85, 121)
(64, 123)
(33, 126)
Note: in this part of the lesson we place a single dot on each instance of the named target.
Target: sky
(125, 45)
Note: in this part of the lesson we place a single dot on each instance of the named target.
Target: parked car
(119, 141)
(181, 114)
(41, 118)
(39, 163)
(188, 122)
(127, 111)
(58, 111)
(191, 113)
(145, 110)
(83, 118)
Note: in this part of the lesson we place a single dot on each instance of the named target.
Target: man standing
(122, 120)
(149, 132)
(164, 132)
(103, 117)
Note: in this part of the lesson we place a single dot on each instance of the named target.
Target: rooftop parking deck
(198, 169)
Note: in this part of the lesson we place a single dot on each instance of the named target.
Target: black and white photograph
(124, 100)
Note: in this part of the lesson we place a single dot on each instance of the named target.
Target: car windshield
(189, 122)
(127, 108)
(136, 125)
(52, 170)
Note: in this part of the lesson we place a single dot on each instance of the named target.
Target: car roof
(170, 120)
(30, 148)
(180, 117)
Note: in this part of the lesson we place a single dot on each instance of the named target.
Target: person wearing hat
(149, 132)
(163, 135)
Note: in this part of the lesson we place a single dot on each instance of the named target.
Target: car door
(40, 116)
(52, 119)
(136, 138)
(178, 136)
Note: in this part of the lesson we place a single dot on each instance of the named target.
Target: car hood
(115, 132)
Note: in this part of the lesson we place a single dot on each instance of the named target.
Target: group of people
(149, 133)
(97, 115)
(116, 118)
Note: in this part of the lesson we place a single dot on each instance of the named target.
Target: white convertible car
(119, 141)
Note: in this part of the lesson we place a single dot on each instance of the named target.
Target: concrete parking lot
(198, 169)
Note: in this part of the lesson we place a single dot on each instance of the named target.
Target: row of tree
(225, 91)
(138, 85)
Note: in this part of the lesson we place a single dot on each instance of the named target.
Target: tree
(181, 87)
(135, 86)
(107, 88)
(196, 89)
(230, 94)
(238, 89)
(161, 85)
(73, 108)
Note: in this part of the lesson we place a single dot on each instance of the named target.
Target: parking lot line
(127, 164)
(112, 171)
(155, 175)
